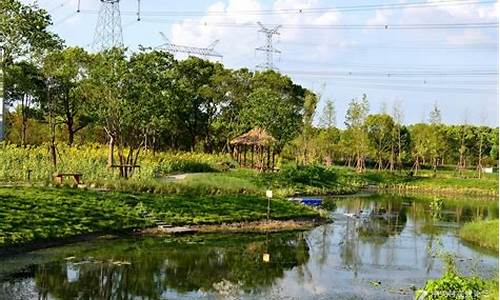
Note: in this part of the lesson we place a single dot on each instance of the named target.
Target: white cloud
(380, 18)
(237, 42)
(469, 11)
(470, 36)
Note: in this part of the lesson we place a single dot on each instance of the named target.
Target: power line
(479, 73)
(386, 66)
(423, 26)
(61, 5)
(318, 10)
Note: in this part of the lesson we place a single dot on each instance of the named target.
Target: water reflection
(381, 239)
(147, 268)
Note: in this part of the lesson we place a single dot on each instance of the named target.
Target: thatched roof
(257, 136)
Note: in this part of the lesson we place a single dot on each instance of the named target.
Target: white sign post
(269, 195)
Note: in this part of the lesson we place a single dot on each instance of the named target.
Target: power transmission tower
(108, 32)
(203, 52)
(268, 49)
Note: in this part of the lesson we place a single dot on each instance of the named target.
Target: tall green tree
(24, 88)
(68, 70)
(356, 114)
(24, 30)
(328, 118)
(380, 128)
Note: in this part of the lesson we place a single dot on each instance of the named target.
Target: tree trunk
(71, 131)
(24, 120)
(111, 150)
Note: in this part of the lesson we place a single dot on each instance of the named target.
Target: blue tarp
(311, 201)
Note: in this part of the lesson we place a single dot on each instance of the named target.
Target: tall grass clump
(481, 233)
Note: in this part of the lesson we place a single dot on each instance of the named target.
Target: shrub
(314, 175)
(452, 285)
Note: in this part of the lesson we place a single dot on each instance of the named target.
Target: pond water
(377, 248)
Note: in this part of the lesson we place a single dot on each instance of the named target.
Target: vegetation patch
(481, 233)
(454, 285)
(37, 214)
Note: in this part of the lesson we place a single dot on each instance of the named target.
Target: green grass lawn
(443, 180)
(481, 233)
(32, 214)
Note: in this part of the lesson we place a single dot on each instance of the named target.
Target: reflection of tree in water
(382, 223)
(149, 267)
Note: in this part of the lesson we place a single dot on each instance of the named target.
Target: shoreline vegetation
(218, 174)
(207, 190)
(481, 233)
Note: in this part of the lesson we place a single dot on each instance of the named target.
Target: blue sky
(413, 67)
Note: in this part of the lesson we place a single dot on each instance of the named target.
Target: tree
(24, 30)
(68, 69)
(114, 109)
(328, 117)
(356, 134)
(435, 115)
(494, 145)
(199, 95)
(397, 115)
(436, 140)
(238, 85)
(310, 103)
(268, 109)
(380, 128)
(420, 135)
(276, 104)
(24, 87)
(151, 85)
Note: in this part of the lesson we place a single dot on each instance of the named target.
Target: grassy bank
(37, 214)
(221, 177)
(445, 182)
(481, 233)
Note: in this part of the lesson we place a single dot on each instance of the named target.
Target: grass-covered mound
(33, 214)
(481, 233)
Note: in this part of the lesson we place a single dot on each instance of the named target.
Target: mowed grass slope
(34, 214)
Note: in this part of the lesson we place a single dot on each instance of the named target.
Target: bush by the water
(313, 175)
(481, 233)
(453, 285)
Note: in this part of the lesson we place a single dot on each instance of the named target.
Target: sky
(340, 49)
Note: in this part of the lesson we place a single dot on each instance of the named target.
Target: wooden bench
(59, 177)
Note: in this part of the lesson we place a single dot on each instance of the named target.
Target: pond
(378, 247)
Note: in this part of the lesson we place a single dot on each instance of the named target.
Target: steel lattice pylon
(268, 49)
(203, 52)
(108, 31)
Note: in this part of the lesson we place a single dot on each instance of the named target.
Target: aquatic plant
(436, 206)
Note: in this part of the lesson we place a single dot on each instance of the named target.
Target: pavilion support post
(273, 160)
(240, 155)
(244, 155)
(261, 158)
(253, 150)
(268, 157)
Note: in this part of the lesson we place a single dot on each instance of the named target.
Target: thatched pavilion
(260, 144)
